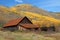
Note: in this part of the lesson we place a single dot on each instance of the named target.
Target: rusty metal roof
(13, 22)
(29, 26)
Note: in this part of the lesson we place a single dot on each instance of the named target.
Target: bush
(44, 28)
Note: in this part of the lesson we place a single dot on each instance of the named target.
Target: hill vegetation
(36, 15)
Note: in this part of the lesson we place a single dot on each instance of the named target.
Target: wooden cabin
(22, 23)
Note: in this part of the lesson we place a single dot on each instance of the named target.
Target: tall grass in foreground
(22, 36)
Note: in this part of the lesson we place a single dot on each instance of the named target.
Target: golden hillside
(39, 16)
(30, 8)
(40, 19)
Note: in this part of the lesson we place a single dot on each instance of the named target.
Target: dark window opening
(36, 28)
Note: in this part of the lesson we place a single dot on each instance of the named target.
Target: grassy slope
(56, 14)
(31, 8)
(22, 36)
(39, 18)
(37, 15)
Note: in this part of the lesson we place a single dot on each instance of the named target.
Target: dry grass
(54, 35)
(22, 36)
